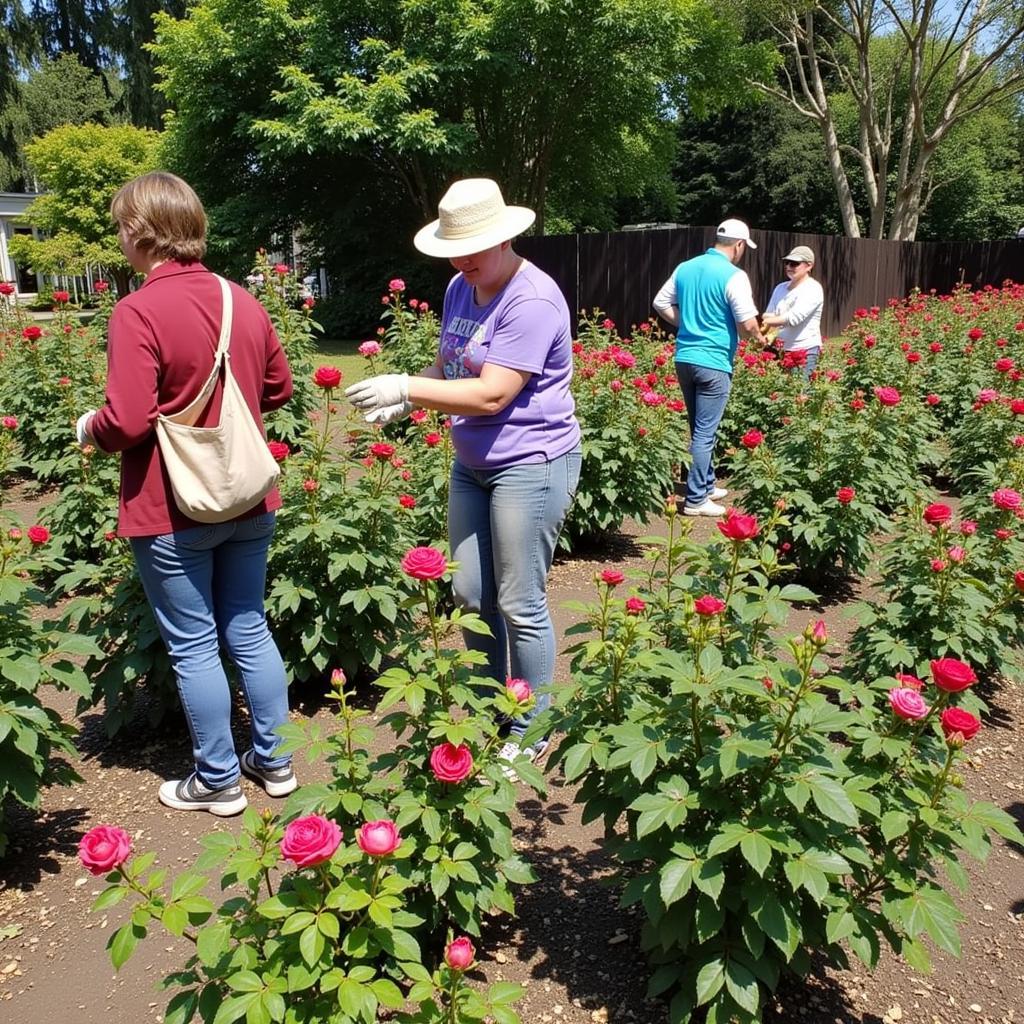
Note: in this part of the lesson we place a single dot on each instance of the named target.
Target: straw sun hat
(472, 217)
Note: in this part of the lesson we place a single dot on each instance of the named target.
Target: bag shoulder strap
(222, 357)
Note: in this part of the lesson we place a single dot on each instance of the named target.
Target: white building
(12, 206)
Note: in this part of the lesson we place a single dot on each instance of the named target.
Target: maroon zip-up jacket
(160, 351)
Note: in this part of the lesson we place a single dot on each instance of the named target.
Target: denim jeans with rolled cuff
(503, 525)
(705, 393)
(206, 586)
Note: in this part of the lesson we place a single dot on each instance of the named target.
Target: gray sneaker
(191, 795)
(510, 751)
(276, 781)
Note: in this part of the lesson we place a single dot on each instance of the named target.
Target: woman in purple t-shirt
(502, 373)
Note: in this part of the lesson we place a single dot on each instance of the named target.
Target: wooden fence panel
(620, 272)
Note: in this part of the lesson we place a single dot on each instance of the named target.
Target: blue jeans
(705, 393)
(503, 525)
(205, 585)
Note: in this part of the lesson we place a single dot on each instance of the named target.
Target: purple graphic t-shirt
(524, 327)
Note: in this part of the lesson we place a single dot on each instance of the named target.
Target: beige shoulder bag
(218, 472)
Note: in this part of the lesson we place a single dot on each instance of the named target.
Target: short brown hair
(162, 215)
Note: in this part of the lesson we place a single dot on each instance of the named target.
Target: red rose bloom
(327, 377)
(845, 495)
(1017, 406)
(955, 720)
(32, 333)
(887, 396)
(432, 440)
(752, 438)
(975, 334)
(739, 527)
(424, 563)
(9, 423)
(937, 513)
(38, 534)
(281, 268)
(634, 605)
(407, 501)
(952, 675)
(1018, 580)
(61, 296)
(104, 848)
(612, 577)
(279, 450)
(6, 288)
(451, 763)
(708, 605)
(381, 450)
(932, 399)
(1004, 365)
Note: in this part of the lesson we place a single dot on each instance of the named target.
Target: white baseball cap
(733, 230)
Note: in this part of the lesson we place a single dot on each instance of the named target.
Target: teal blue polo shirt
(707, 334)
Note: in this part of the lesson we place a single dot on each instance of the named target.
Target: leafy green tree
(17, 46)
(81, 167)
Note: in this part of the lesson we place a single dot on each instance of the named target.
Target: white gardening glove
(377, 392)
(82, 428)
(389, 413)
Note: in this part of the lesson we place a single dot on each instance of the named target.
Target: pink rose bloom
(708, 605)
(370, 348)
(451, 763)
(819, 634)
(424, 563)
(635, 605)
(519, 690)
(907, 703)
(626, 360)
(459, 954)
(418, 416)
(10, 423)
(396, 284)
(968, 527)
(310, 485)
(952, 675)
(104, 848)
(938, 565)
(887, 396)
(310, 840)
(986, 395)
(1007, 499)
(956, 554)
(378, 838)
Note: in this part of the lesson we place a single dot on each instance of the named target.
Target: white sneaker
(706, 508)
(508, 753)
(718, 493)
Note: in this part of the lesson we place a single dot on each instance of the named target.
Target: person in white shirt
(795, 308)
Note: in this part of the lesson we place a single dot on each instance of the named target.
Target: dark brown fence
(621, 272)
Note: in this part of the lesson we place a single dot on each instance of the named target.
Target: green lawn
(343, 354)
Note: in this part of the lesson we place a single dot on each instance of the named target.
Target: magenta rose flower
(739, 527)
(310, 840)
(382, 450)
(396, 284)
(460, 954)
(327, 377)
(378, 838)
(907, 703)
(451, 763)
(887, 396)
(635, 606)
(104, 848)
(612, 577)
(937, 513)
(708, 605)
(424, 563)
(952, 675)
(1007, 499)
(956, 720)
(519, 690)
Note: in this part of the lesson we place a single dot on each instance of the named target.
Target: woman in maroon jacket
(205, 583)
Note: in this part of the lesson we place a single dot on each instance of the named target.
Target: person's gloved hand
(389, 413)
(377, 392)
(82, 431)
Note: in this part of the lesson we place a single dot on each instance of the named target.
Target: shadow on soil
(36, 840)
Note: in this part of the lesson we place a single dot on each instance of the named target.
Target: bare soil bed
(575, 951)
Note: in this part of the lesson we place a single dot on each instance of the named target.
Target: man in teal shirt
(709, 300)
